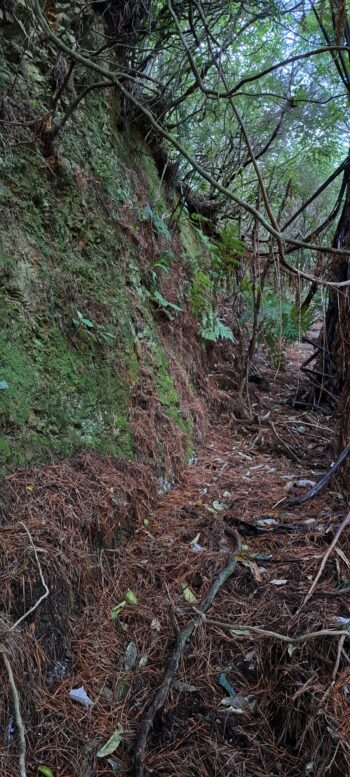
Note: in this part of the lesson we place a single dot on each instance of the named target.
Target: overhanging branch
(116, 80)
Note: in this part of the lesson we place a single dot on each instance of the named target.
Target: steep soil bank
(242, 703)
(93, 275)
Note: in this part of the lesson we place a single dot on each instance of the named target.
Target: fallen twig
(290, 453)
(321, 484)
(173, 662)
(328, 552)
(314, 379)
(18, 716)
(245, 630)
(339, 652)
(16, 700)
(46, 589)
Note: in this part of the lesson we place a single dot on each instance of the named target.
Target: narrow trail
(287, 719)
(241, 703)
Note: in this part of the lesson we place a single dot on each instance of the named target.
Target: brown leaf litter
(100, 529)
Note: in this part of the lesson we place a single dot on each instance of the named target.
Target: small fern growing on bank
(212, 328)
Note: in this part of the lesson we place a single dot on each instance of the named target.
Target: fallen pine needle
(328, 552)
(172, 665)
(46, 590)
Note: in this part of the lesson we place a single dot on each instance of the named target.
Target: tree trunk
(331, 376)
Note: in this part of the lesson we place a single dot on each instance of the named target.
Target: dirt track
(288, 712)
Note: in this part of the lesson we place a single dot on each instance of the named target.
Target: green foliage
(164, 303)
(280, 318)
(46, 771)
(201, 292)
(223, 256)
(225, 252)
(165, 258)
(92, 329)
(158, 223)
(163, 263)
(202, 300)
(58, 256)
(167, 393)
(212, 328)
(67, 220)
(230, 244)
(81, 321)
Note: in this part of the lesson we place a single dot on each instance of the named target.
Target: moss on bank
(71, 252)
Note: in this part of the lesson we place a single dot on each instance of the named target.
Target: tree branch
(245, 630)
(72, 107)
(18, 716)
(16, 699)
(183, 151)
(342, 526)
(317, 193)
(46, 589)
(172, 665)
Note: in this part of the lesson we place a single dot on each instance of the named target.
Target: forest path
(241, 704)
(290, 701)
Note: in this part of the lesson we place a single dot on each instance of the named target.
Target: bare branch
(72, 107)
(317, 193)
(44, 595)
(246, 630)
(18, 716)
(16, 699)
(336, 537)
(183, 151)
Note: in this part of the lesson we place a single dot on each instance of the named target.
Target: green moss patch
(71, 252)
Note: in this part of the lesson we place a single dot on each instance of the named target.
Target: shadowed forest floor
(240, 704)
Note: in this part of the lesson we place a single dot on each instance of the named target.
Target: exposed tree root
(322, 483)
(173, 662)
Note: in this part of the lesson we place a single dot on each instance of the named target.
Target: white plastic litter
(80, 695)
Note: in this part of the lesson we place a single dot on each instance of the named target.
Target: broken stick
(321, 484)
(328, 552)
(172, 665)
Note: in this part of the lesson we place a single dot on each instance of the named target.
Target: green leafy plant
(163, 263)
(82, 321)
(158, 223)
(164, 303)
(202, 293)
(164, 260)
(224, 253)
(129, 599)
(92, 329)
(212, 328)
(281, 319)
(46, 771)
